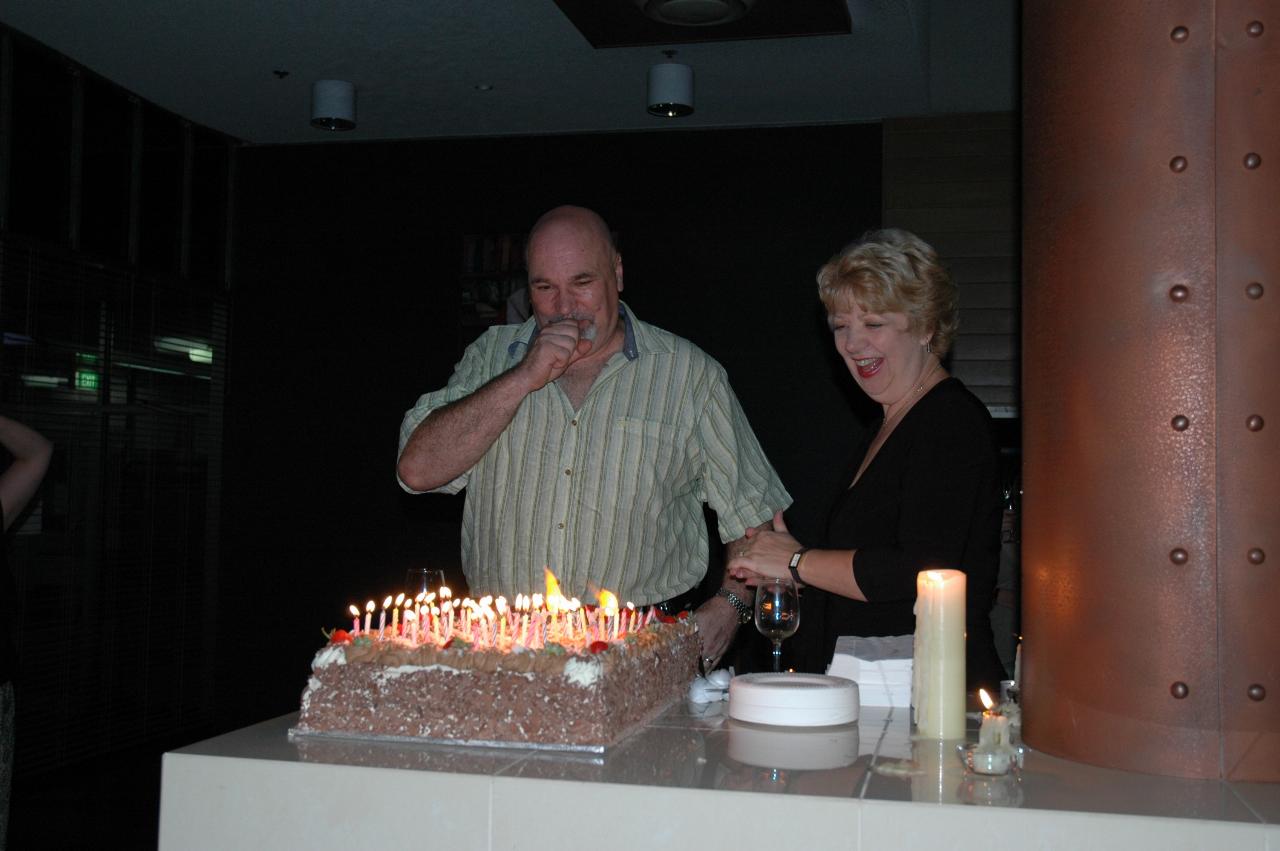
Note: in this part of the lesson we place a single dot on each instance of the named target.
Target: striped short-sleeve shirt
(609, 496)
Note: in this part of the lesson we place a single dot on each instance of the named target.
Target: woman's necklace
(910, 398)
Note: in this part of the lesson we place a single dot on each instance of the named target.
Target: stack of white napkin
(881, 666)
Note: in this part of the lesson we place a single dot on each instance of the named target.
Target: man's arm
(31, 453)
(717, 617)
(452, 439)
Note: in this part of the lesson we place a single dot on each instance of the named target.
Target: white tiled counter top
(692, 778)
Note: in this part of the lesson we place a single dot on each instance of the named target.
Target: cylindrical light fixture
(670, 90)
(333, 105)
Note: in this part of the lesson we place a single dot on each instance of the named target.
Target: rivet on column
(1254, 423)
(1257, 692)
(1178, 293)
(1178, 555)
(1179, 690)
(1178, 164)
(1254, 29)
(1252, 160)
(1179, 34)
(1257, 556)
(1254, 290)
(1180, 423)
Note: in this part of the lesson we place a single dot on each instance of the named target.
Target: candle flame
(400, 599)
(386, 604)
(985, 698)
(409, 615)
(553, 585)
(355, 611)
(608, 601)
(445, 592)
(501, 604)
(370, 606)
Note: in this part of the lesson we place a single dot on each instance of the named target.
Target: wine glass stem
(777, 656)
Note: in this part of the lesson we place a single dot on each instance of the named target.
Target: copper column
(1151, 384)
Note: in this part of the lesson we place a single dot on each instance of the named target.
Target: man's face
(574, 274)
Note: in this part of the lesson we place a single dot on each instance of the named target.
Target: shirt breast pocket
(652, 451)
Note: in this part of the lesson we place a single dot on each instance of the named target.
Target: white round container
(793, 700)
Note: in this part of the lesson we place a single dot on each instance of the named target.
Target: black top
(929, 499)
(8, 657)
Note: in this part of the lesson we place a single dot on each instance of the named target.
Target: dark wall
(345, 309)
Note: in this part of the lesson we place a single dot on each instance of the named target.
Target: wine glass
(422, 580)
(777, 613)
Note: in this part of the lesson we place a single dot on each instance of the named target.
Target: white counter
(686, 780)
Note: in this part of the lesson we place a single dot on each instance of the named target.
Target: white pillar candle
(938, 668)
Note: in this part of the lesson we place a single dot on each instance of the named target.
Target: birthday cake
(578, 678)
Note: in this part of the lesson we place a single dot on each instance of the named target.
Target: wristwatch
(794, 565)
(744, 611)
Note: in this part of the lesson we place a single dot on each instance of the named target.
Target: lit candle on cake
(382, 618)
(411, 621)
(395, 615)
(368, 613)
(938, 668)
(355, 624)
(501, 605)
(631, 616)
(609, 605)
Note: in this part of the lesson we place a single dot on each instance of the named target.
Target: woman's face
(884, 357)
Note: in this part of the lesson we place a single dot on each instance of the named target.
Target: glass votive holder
(988, 761)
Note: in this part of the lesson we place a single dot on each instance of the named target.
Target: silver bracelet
(745, 614)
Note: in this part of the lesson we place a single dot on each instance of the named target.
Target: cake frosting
(585, 693)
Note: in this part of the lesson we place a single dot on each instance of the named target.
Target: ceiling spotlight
(694, 13)
(333, 105)
(670, 88)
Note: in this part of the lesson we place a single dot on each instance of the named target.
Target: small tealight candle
(994, 732)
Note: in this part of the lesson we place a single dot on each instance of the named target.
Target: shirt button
(568, 472)
(573, 422)
(559, 525)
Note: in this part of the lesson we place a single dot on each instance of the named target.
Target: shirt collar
(516, 350)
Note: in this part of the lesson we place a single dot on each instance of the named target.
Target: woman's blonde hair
(894, 271)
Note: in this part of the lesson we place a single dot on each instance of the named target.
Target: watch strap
(794, 565)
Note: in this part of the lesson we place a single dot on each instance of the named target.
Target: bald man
(588, 441)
